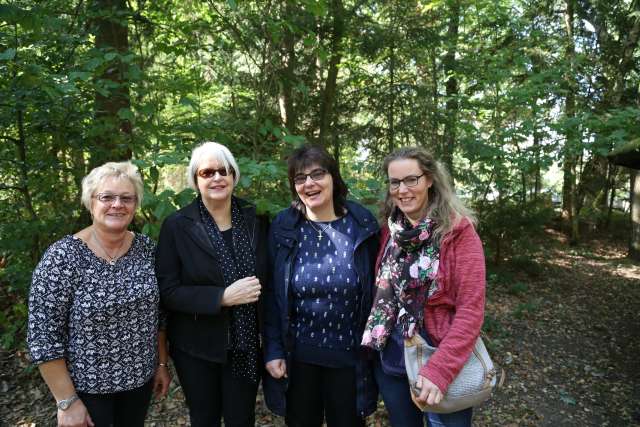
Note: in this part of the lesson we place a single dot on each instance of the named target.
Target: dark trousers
(316, 392)
(121, 409)
(404, 413)
(212, 392)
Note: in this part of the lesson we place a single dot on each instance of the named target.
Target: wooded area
(523, 100)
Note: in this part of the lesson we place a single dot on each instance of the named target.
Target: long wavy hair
(445, 208)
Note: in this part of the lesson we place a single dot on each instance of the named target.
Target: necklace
(319, 230)
(112, 259)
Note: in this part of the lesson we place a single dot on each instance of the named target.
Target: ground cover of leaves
(563, 322)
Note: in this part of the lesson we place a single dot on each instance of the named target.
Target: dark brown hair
(310, 154)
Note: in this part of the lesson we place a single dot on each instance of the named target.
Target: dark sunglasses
(210, 172)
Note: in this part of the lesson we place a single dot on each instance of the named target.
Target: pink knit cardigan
(454, 314)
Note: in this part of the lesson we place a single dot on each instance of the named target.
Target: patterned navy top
(325, 293)
(102, 319)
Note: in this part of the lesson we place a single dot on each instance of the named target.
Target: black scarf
(236, 263)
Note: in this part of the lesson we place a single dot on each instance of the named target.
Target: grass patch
(526, 264)
(518, 288)
(525, 309)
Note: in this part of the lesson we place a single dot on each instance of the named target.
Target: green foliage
(507, 228)
(518, 288)
(361, 78)
(528, 308)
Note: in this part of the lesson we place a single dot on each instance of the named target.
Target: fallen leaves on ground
(568, 337)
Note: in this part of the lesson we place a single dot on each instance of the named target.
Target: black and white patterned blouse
(102, 319)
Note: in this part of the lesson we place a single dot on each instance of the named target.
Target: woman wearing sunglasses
(94, 319)
(211, 263)
(430, 280)
(322, 251)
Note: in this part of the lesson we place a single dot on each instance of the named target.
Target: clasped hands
(242, 291)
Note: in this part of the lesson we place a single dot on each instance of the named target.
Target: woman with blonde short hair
(94, 319)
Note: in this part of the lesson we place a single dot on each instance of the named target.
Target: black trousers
(121, 409)
(316, 392)
(212, 392)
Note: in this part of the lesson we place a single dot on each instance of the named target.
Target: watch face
(66, 403)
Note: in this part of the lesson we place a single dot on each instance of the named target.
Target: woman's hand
(277, 368)
(242, 291)
(76, 416)
(161, 382)
(429, 392)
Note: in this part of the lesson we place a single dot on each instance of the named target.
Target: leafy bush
(507, 227)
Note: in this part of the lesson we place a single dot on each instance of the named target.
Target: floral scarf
(406, 279)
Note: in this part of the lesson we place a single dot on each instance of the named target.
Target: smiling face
(316, 195)
(115, 216)
(412, 201)
(217, 188)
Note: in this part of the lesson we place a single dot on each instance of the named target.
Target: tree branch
(10, 138)
(10, 187)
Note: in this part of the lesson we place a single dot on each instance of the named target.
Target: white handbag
(473, 385)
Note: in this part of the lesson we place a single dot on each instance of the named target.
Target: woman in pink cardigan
(430, 280)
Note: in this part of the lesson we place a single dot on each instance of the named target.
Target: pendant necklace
(319, 230)
(112, 259)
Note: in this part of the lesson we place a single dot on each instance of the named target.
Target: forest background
(521, 99)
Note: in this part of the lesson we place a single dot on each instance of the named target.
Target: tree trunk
(329, 93)
(392, 95)
(112, 36)
(634, 243)
(287, 107)
(612, 196)
(537, 184)
(449, 62)
(569, 202)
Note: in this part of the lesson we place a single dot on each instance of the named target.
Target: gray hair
(118, 170)
(445, 208)
(218, 152)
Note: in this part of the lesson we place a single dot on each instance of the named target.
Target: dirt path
(564, 323)
(567, 329)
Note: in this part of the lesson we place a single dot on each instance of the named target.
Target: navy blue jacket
(278, 342)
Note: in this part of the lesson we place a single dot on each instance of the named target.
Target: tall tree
(572, 146)
(450, 71)
(112, 103)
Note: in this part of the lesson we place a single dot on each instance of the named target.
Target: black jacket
(191, 281)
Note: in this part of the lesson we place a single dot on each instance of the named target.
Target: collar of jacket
(364, 218)
(198, 231)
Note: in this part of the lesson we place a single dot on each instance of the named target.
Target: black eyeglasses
(316, 175)
(210, 172)
(409, 181)
(109, 199)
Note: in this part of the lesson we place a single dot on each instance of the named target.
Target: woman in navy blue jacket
(323, 251)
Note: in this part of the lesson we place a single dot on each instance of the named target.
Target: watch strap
(64, 404)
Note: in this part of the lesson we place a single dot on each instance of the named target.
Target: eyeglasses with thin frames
(409, 181)
(316, 175)
(110, 199)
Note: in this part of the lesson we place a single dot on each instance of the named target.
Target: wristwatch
(64, 404)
